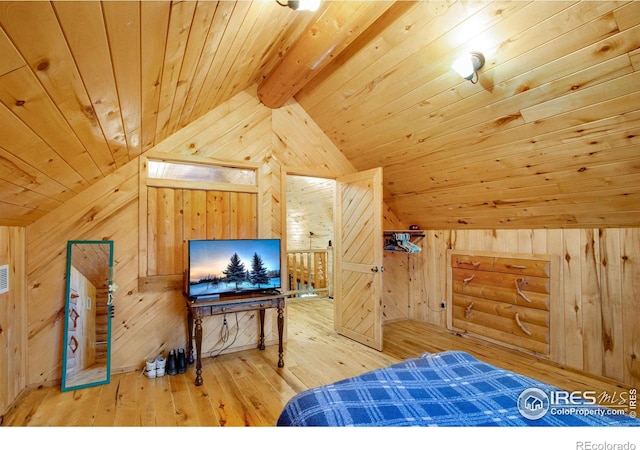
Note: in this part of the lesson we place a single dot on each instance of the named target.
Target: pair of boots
(176, 363)
(155, 367)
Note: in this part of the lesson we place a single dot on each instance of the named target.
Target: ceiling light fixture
(468, 65)
(301, 5)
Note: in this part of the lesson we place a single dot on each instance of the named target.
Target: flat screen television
(221, 267)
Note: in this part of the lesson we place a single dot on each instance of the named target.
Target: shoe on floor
(172, 363)
(150, 368)
(182, 361)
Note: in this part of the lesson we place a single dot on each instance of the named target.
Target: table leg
(280, 331)
(261, 343)
(198, 348)
(190, 336)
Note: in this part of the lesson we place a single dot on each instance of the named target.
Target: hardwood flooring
(247, 389)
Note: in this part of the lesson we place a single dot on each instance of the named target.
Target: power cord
(224, 333)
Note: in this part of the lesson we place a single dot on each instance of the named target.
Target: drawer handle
(515, 266)
(465, 263)
(517, 281)
(468, 280)
(522, 327)
(467, 310)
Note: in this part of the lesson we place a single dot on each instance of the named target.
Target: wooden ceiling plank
(443, 115)
(18, 139)
(414, 62)
(401, 31)
(84, 29)
(488, 135)
(35, 31)
(180, 21)
(122, 21)
(11, 59)
(194, 52)
(10, 213)
(32, 181)
(426, 145)
(477, 202)
(483, 169)
(628, 15)
(21, 92)
(194, 99)
(14, 194)
(243, 66)
(608, 132)
(226, 23)
(154, 20)
(624, 84)
(337, 26)
(210, 50)
(413, 91)
(561, 187)
(242, 37)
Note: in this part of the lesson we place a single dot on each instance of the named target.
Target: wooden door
(358, 287)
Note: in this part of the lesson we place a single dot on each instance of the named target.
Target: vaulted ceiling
(548, 137)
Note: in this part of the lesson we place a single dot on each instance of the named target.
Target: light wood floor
(247, 389)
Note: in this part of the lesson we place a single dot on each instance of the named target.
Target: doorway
(310, 236)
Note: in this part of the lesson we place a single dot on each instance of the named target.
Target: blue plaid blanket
(444, 389)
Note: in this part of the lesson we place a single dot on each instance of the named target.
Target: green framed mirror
(86, 356)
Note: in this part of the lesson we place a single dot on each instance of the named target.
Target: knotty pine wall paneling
(150, 322)
(13, 317)
(395, 286)
(594, 321)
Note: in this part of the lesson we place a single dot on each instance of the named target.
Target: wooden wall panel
(594, 320)
(148, 323)
(309, 212)
(106, 211)
(13, 317)
(395, 286)
(630, 287)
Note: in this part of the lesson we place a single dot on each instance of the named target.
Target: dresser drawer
(536, 268)
(520, 326)
(471, 262)
(503, 298)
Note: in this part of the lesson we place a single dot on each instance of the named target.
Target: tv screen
(232, 266)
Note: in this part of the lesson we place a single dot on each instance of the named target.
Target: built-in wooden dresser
(504, 298)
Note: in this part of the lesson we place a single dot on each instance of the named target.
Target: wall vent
(4, 279)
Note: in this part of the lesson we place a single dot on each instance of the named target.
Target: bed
(450, 388)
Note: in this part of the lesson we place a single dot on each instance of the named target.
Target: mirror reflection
(87, 336)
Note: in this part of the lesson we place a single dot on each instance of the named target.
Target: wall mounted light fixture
(468, 65)
(301, 5)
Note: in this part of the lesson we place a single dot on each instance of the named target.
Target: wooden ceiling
(547, 138)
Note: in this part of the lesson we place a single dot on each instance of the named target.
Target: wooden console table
(197, 310)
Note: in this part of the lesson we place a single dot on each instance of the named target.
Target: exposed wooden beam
(337, 25)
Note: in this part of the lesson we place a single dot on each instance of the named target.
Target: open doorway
(310, 236)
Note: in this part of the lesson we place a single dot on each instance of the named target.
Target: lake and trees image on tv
(233, 266)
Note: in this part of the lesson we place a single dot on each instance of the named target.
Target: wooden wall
(598, 318)
(13, 317)
(309, 212)
(595, 321)
(147, 323)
